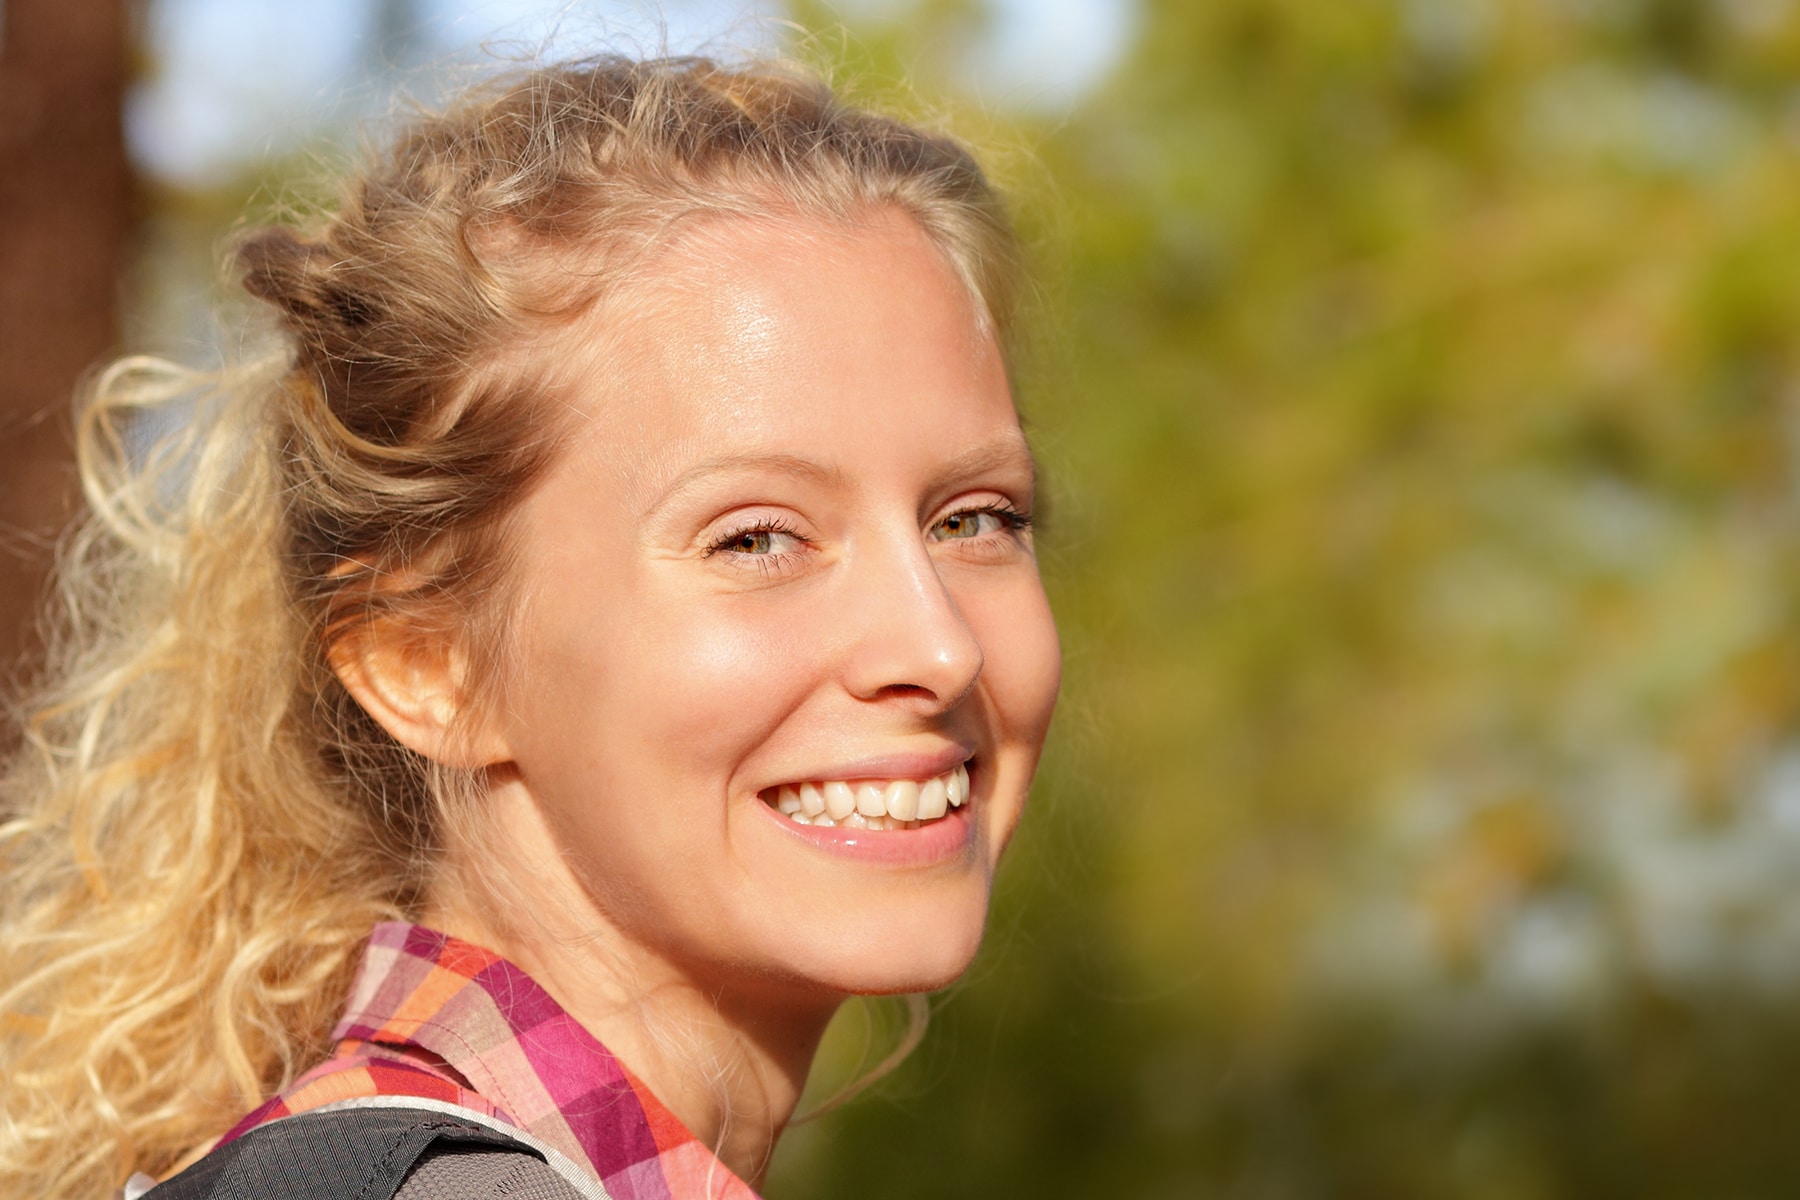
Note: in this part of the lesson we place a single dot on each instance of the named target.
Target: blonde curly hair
(199, 826)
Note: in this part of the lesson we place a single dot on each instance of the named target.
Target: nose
(912, 642)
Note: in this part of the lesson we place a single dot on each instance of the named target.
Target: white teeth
(872, 804)
(902, 800)
(840, 801)
(958, 785)
(932, 799)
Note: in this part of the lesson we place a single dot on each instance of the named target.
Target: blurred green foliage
(1417, 388)
(1420, 395)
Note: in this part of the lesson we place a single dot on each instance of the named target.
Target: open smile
(875, 804)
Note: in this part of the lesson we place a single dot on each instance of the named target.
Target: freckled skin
(821, 396)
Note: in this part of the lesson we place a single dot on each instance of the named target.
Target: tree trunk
(67, 207)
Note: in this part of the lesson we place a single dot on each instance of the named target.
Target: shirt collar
(494, 1026)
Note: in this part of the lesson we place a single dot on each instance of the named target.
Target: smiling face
(785, 563)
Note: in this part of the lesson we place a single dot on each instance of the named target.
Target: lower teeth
(854, 821)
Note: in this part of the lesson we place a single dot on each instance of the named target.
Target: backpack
(360, 1149)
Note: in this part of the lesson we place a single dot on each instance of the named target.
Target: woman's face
(785, 562)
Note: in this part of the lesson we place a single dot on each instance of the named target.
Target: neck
(729, 1059)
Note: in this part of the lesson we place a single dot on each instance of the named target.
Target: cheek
(1022, 658)
(729, 675)
(678, 687)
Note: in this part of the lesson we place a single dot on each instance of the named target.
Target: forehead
(787, 337)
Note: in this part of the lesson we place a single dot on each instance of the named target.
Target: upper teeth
(874, 803)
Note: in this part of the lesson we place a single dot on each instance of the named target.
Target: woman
(619, 597)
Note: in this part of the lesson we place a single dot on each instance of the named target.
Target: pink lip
(890, 766)
(949, 837)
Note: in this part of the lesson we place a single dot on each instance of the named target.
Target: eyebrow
(782, 464)
(1010, 452)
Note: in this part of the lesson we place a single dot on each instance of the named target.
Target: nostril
(907, 689)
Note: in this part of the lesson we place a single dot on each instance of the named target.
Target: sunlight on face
(786, 563)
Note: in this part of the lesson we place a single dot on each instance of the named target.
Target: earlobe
(411, 682)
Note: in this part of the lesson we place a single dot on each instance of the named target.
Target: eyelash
(1015, 518)
(1011, 519)
(722, 545)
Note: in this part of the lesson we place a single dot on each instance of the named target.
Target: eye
(971, 523)
(765, 541)
(754, 541)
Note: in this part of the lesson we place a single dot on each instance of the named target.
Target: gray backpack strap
(448, 1172)
(335, 1153)
(580, 1178)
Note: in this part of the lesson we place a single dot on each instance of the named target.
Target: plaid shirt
(435, 1017)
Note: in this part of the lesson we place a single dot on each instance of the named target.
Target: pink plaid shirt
(435, 1017)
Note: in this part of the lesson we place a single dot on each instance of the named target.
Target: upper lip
(915, 764)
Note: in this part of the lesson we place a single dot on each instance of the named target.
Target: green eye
(764, 540)
(960, 525)
(977, 522)
(756, 541)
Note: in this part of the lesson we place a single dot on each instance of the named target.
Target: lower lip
(949, 837)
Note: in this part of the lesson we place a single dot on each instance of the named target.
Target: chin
(884, 962)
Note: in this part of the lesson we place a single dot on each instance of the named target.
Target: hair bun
(295, 275)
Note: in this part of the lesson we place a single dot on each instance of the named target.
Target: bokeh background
(1419, 384)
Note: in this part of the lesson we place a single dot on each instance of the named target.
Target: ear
(412, 682)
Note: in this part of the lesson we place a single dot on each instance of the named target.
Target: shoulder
(367, 1152)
